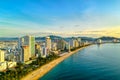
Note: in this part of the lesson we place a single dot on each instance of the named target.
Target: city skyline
(92, 18)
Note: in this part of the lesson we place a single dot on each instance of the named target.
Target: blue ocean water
(96, 62)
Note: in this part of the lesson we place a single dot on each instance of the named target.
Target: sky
(93, 18)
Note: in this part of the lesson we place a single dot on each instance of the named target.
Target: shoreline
(40, 72)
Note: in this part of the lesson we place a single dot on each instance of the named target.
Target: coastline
(35, 75)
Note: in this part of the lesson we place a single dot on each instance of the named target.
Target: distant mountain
(107, 38)
(87, 38)
(82, 38)
(51, 36)
(55, 37)
(40, 38)
(58, 37)
(8, 39)
(36, 38)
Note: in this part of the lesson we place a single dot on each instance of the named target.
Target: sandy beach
(35, 75)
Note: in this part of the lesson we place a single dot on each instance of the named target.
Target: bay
(96, 62)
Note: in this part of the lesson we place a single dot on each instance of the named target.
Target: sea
(95, 62)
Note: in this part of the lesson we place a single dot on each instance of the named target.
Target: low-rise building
(5, 65)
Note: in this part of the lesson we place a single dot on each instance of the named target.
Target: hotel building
(27, 47)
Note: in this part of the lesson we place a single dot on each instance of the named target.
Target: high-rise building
(48, 43)
(44, 52)
(25, 53)
(76, 43)
(72, 43)
(32, 46)
(37, 50)
(2, 56)
(54, 46)
(61, 44)
(30, 42)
